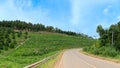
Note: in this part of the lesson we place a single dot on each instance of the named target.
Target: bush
(19, 34)
(12, 45)
(13, 35)
(86, 49)
(109, 51)
(96, 51)
(26, 35)
(5, 48)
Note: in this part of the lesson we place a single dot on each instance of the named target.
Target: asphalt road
(74, 59)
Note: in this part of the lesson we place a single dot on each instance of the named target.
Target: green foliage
(41, 45)
(107, 50)
(50, 28)
(8, 64)
(22, 25)
(109, 42)
(5, 48)
(12, 45)
(7, 38)
(19, 34)
(100, 30)
(13, 35)
(26, 35)
(110, 35)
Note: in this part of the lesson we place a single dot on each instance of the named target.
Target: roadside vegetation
(39, 42)
(108, 45)
(51, 62)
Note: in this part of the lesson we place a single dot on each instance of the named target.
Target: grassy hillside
(39, 46)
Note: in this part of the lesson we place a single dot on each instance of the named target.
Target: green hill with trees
(29, 42)
(28, 26)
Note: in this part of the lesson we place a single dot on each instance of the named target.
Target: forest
(28, 26)
(108, 43)
(110, 36)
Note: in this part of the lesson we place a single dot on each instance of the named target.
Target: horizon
(73, 15)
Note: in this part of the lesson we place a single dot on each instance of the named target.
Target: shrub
(19, 34)
(5, 48)
(108, 51)
(96, 51)
(13, 35)
(12, 45)
(26, 35)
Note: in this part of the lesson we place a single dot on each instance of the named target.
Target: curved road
(74, 59)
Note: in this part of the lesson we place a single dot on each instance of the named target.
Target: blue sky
(75, 15)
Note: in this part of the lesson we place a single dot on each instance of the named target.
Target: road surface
(74, 59)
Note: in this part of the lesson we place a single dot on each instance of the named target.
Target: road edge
(101, 57)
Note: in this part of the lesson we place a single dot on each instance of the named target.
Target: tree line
(108, 44)
(110, 36)
(22, 25)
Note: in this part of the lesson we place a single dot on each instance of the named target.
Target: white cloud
(14, 9)
(23, 3)
(83, 14)
(81, 9)
(107, 10)
(118, 18)
(86, 14)
(75, 12)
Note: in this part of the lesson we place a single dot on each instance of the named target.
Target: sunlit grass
(39, 46)
(52, 62)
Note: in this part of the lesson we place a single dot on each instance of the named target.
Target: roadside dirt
(59, 61)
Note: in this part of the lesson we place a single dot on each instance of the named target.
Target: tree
(13, 35)
(12, 45)
(26, 35)
(100, 30)
(110, 35)
(50, 28)
(19, 34)
(30, 26)
(8, 40)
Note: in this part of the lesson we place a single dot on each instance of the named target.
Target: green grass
(39, 46)
(52, 62)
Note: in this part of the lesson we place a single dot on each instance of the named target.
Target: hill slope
(39, 46)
